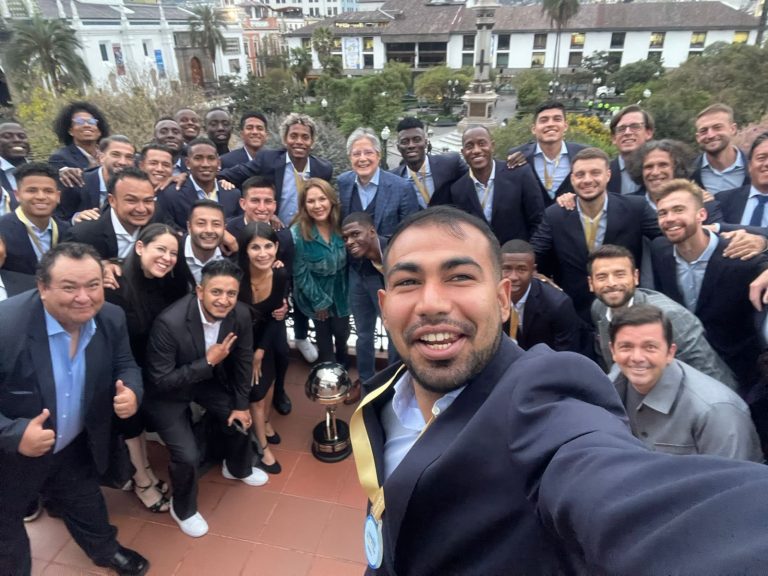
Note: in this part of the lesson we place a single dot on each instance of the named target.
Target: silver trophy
(328, 384)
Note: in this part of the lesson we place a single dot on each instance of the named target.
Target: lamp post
(647, 93)
(596, 81)
(324, 106)
(385, 134)
(452, 87)
(553, 87)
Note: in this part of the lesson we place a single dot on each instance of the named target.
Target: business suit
(395, 199)
(9, 188)
(77, 199)
(178, 373)
(517, 206)
(271, 164)
(561, 249)
(732, 204)
(549, 477)
(177, 204)
(696, 175)
(548, 318)
(723, 306)
(614, 183)
(234, 158)
(68, 478)
(21, 256)
(16, 283)
(285, 249)
(69, 156)
(529, 151)
(444, 169)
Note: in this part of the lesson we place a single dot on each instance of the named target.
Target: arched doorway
(196, 71)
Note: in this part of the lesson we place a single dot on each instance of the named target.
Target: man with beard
(201, 350)
(14, 149)
(253, 133)
(721, 166)
(507, 199)
(205, 231)
(690, 268)
(169, 134)
(218, 128)
(189, 122)
(631, 127)
(535, 443)
(613, 279)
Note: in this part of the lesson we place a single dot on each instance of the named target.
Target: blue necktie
(757, 215)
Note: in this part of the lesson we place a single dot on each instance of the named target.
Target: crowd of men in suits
(584, 238)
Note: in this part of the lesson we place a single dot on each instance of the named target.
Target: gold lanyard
(514, 322)
(590, 228)
(549, 179)
(33, 236)
(298, 179)
(421, 182)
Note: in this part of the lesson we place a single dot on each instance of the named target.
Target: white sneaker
(194, 526)
(257, 477)
(307, 350)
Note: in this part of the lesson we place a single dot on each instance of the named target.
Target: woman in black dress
(146, 287)
(264, 288)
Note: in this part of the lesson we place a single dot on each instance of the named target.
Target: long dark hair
(251, 231)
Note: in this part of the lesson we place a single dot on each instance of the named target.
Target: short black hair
(163, 119)
(253, 114)
(63, 121)
(199, 141)
(105, 142)
(451, 219)
(154, 146)
(548, 105)
(222, 267)
(759, 140)
(518, 246)
(609, 251)
(215, 109)
(129, 172)
(205, 203)
(640, 315)
(35, 169)
(362, 218)
(73, 250)
(258, 181)
(409, 122)
(632, 108)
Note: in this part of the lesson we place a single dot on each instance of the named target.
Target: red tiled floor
(307, 521)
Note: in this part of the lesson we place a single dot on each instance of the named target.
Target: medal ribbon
(32, 236)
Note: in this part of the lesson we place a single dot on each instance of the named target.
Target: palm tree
(205, 26)
(49, 48)
(560, 12)
(322, 42)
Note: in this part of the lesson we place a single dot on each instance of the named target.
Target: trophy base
(331, 450)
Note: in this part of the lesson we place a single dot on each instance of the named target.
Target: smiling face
(642, 354)
(117, 157)
(38, 196)
(203, 163)
(519, 270)
(159, 256)
(218, 126)
(262, 253)
(680, 217)
(358, 238)
(84, 128)
(14, 143)
(658, 167)
(364, 159)
(189, 122)
(758, 167)
(714, 132)
(613, 281)
(75, 293)
(477, 148)
(168, 133)
(206, 227)
(258, 204)
(549, 126)
(218, 296)
(254, 133)
(158, 165)
(444, 304)
(317, 204)
(412, 145)
(298, 141)
(590, 178)
(631, 133)
(133, 202)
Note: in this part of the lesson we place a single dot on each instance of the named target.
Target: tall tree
(322, 42)
(48, 48)
(560, 12)
(205, 27)
(301, 64)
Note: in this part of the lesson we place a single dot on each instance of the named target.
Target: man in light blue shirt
(721, 165)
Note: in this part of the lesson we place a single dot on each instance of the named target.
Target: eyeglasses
(79, 121)
(635, 127)
(369, 153)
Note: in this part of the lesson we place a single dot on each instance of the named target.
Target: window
(575, 58)
(740, 37)
(503, 43)
(231, 46)
(698, 39)
(654, 56)
(432, 54)
(657, 40)
(614, 59)
(368, 44)
(539, 41)
(577, 40)
(537, 60)
(104, 51)
(467, 60)
(468, 43)
(617, 40)
(234, 66)
(306, 43)
(502, 60)
(145, 47)
(404, 52)
(336, 45)
(368, 61)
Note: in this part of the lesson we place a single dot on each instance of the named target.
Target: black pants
(68, 480)
(173, 422)
(333, 333)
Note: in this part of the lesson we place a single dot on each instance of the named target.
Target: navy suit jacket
(696, 176)
(10, 189)
(69, 156)
(445, 169)
(395, 199)
(16, 282)
(234, 158)
(271, 164)
(561, 249)
(730, 322)
(533, 470)
(614, 184)
(81, 198)
(517, 205)
(529, 150)
(176, 204)
(27, 385)
(20, 256)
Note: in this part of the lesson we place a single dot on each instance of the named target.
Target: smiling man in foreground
(479, 458)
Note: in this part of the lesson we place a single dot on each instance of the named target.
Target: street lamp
(385, 134)
(647, 93)
(553, 86)
(596, 82)
(452, 87)
(324, 103)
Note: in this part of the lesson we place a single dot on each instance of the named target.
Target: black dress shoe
(127, 562)
(274, 439)
(282, 403)
(273, 468)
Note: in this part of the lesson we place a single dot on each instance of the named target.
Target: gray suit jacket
(687, 332)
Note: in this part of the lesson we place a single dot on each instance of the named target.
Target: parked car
(605, 92)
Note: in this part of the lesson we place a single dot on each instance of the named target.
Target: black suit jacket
(27, 385)
(285, 248)
(730, 322)
(561, 249)
(177, 204)
(234, 158)
(77, 199)
(696, 176)
(614, 184)
(517, 205)
(16, 283)
(549, 318)
(69, 156)
(271, 163)
(98, 233)
(533, 470)
(446, 169)
(529, 150)
(20, 256)
(5, 183)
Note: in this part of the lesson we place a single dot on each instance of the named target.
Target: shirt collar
(102, 183)
(662, 396)
(521, 303)
(119, 228)
(53, 327)
(6, 166)
(406, 408)
(739, 163)
(197, 186)
(753, 192)
(203, 319)
(563, 149)
(288, 161)
(609, 310)
(705, 256)
(374, 180)
(605, 204)
(491, 178)
(189, 254)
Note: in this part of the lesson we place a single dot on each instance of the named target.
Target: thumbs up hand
(124, 402)
(36, 440)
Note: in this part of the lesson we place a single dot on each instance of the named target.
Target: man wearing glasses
(630, 128)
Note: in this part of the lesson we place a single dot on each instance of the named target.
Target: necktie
(514, 322)
(757, 215)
